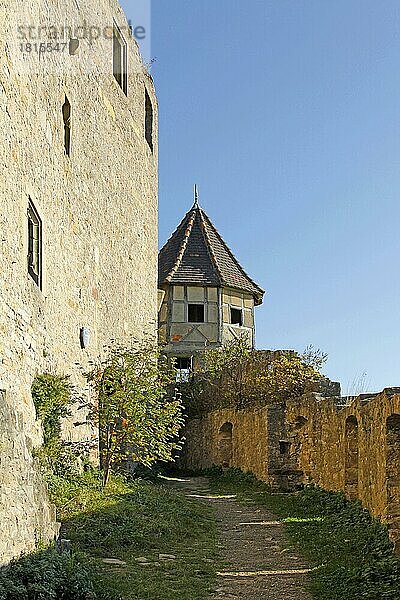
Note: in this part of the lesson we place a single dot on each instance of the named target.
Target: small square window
(34, 245)
(183, 362)
(284, 447)
(236, 316)
(120, 59)
(196, 313)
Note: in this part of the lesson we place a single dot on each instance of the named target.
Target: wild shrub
(52, 396)
(46, 575)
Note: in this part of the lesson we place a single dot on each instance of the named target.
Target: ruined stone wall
(354, 448)
(98, 208)
(206, 444)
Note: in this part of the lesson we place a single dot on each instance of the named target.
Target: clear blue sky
(287, 115)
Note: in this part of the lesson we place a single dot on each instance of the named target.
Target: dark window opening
(66, 110)
(236, 317)
(149, 121)
(196, 313)
(183, 362)
(183, 365)
(284, 447)
(120, 60)
(34, 245)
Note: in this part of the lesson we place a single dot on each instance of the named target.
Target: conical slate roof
(196, 254)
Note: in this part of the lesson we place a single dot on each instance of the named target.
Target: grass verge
(350, 549)
(135, 523)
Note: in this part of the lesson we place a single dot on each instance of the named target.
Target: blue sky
(287, 115)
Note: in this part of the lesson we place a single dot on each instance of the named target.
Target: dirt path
(260, 564)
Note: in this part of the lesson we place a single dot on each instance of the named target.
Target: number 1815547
(42, 47)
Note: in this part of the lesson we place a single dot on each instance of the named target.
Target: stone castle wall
(353, 448)
(99, 216)
(207, 441)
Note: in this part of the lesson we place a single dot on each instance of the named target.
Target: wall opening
(351, 457)
(34, 245)
(149, 121)
(299, 423)
(393, 477)
(66, 111)
(225, 446)
(284, 447)
(183, 366)
(196, 313)
(120, 59)
(236, 316)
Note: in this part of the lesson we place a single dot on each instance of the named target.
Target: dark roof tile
(196, 253)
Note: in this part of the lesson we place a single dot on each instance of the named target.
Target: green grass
(351, 551)
(135, 520)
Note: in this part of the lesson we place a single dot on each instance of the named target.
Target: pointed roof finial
(196, 197)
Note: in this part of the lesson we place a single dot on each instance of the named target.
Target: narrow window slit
(120, 60)
(149, 121)
(34, 245)
(66, 110)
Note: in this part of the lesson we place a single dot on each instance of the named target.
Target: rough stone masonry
(78, 223)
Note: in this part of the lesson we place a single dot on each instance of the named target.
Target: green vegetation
(45, 575)
(139, 411)
(52, 398)
(237, 376)
(131, 523)
(350, 549)
(139, 520)
(125, 521)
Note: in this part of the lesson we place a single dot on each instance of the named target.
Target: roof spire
(196, 197)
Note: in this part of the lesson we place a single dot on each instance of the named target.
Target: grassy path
(147, 541)
(167, 541)
(259, 563)
(349, 551)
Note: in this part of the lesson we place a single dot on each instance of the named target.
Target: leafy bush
(139, 411)
(52, 397)
(45, 575)
(237, 376)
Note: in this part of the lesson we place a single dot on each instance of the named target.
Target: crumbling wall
(206, 444)
(354, 448)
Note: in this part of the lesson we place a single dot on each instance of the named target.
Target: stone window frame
(35, 242)
(120, 59)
